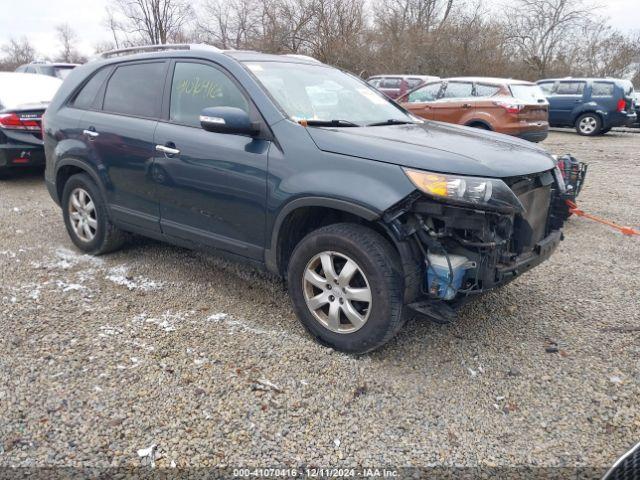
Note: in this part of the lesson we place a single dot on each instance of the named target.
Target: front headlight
(479, 192)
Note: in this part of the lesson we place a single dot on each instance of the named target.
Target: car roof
(26, 88)
(583, 79)
(204, 50)
(403, 75)
(490, 80)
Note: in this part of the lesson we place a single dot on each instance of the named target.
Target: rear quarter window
(87, 95)
(602, 89)
(135, 90)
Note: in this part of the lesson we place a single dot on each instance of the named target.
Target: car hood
(437, 147)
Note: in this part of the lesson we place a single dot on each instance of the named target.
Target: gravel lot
(159, 345)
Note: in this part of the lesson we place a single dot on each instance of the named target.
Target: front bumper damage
(490, 247)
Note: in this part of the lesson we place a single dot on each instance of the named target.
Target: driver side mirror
(229, 120)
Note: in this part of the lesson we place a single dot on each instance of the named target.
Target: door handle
(466, 105)
(167, 150)
(90, 133)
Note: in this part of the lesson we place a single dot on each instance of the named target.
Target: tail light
(509, 106)
(11, 121)
(622, 105)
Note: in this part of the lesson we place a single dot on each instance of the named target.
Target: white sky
(37, 20)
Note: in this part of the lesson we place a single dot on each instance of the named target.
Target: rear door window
(196, 86)
(546, 87)
(87, 96)
(486, 90)
(135, 89)
(570, 88)
(458, 90)
(428, 93)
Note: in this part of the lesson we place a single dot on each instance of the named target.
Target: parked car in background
(636, 103)
(23, 99)
(593, 106)
(303, 169)
(513, 107)
(60, 70)
(394, 86)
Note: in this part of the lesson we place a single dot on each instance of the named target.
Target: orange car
(513, 107)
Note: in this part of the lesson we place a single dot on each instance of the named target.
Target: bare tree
(67, 38)
(17, 52)
(148, 21)
(539, 29)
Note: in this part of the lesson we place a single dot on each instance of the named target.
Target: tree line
(526, 39)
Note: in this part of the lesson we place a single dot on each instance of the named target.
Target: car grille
(627, 467)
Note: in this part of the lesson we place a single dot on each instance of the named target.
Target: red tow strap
(573, 208)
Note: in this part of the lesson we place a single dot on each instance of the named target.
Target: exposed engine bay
(465, 251)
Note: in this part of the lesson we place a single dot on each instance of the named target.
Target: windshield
(528, 93)
(320, 93)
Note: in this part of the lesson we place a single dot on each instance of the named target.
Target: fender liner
(271, 253)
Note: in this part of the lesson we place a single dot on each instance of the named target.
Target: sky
(36, 19)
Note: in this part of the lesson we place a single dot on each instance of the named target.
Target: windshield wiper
(328, 123)
(391, 121)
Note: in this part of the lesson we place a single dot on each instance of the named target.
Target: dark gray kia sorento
(371, 214)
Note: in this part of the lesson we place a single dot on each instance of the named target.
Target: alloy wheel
(337, 292)
(83, 215)
(588, 125)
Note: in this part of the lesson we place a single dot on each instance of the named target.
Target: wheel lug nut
(328, 287)
(331, 298)
(341, 301)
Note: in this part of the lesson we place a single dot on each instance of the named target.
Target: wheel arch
(304, 215)
(475, 122)
(70, 166)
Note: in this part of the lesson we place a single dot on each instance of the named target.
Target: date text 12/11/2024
(315, 473)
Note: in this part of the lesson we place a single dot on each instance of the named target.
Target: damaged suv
(370, 213)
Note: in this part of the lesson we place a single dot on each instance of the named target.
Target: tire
(378, 271)
(105, 236)
(605, 130)
(588, 124)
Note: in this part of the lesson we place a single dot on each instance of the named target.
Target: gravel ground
(159, 345)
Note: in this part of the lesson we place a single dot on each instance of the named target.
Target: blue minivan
(592, 105)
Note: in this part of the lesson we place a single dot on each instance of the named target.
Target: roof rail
(157, 48)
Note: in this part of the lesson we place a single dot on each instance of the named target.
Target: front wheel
(346, 284)
(588, 124)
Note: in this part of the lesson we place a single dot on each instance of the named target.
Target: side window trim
(103, 90)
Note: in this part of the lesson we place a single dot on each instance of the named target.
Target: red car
(394, 86)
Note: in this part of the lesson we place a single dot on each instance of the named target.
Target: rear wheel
(85, 216)
(588, 124)
(346, 284)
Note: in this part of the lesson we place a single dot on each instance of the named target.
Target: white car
(23, 99)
